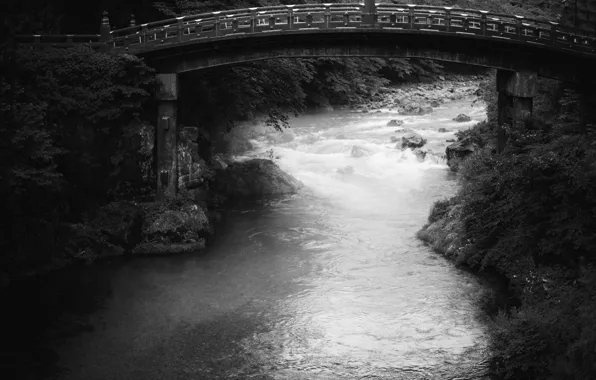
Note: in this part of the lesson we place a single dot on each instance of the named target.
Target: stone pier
(167, 136)
(516, 91)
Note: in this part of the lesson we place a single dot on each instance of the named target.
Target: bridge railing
(305, 17)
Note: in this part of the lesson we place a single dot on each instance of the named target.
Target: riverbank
(516, 214)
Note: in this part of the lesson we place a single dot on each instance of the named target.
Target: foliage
(530, 213)
(439, 210)
(70, 123)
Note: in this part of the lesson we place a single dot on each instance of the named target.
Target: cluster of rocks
(420, 99)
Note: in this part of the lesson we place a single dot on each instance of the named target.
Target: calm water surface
(327, 284)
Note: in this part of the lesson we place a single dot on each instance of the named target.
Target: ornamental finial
(133, 22)
(104, 19)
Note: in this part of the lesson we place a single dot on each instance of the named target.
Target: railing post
(483, 22)
(105, 33)
(393, 19)
(144, 34)
(448, 18)
(133, 22)
(519, 25)
(553, 32)
(290, 16)
(411, 14)
(308, 20)
(216, 22)
(271, 22)
(235, 25)
(327, 15)
(180, 25)
(253, 19)
(346, 19)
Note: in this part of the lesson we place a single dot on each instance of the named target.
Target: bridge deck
(307, 18)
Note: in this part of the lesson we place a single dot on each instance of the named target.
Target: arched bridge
(362, 29)
(521, 49)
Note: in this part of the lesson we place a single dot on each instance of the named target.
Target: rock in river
(395, 123)
(357, 151)
(412, 140)
(174, 227)
(458, 151)
(461, 118)
(255, 179)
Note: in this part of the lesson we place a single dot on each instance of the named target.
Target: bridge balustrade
(306, 17)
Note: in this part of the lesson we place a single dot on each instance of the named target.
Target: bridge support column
(516, 91)
(167, 136)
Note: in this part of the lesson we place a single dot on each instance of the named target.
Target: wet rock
(450, 140)
(255, 179)
(435, 103)
(461, 118)
(458, 151)
(173, 227)
(415, 110)
(394, 139)
(357, 151)
(346, 170)
(443, 130)
(395, 123)
(422, 153)
(412, 140)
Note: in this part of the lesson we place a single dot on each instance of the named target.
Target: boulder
(173, 227)
(412, 140)
(394, 139)
(458, 151)
(346, 170)
(421, 153)
(415, 110)
(461, 118)
(395, 123)
(357, 151)
(443, 130)
(255, 179)
(435, 103)
(450, 140)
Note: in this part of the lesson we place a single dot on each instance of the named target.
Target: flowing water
(327, 284)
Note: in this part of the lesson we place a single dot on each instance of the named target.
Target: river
(327, 284)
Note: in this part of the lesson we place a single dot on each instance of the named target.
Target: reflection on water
(327, 284)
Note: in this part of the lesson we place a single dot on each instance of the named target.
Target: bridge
(520, 49)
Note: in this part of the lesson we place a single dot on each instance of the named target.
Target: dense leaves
(530, 213)
(71, 121)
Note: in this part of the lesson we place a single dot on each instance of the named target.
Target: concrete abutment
(516, 91)
(167, 136)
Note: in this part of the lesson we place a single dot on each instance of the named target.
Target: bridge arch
(521, 49)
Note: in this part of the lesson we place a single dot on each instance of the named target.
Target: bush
(439, 209)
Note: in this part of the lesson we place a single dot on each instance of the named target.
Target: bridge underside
(486, 52)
